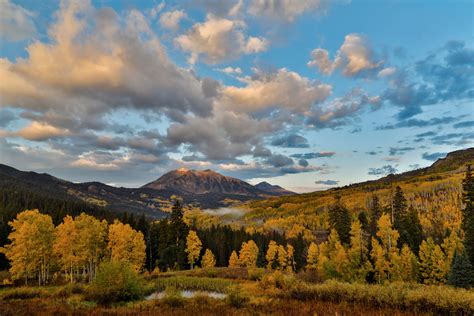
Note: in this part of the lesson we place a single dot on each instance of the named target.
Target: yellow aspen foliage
(312, 257)
(408, 264)
(66, 247)
(248, 254)
(322, 259)
(271, 254)
(451, 244)
(339, 267)
(208, 260)
(385, 254)
(290, 258)
(193, 247)
(359, 265)
(234, 260)
(282, 257)
(31, 248)
(92, 244)
(432, 263)
(126, 245)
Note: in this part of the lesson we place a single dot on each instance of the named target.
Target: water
(187, 294)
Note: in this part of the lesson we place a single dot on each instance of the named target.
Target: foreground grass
(270, 293)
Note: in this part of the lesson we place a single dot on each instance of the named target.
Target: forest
(388, 247)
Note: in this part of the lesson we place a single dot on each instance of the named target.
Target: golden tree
(66, 247)
(31, 247)
(312, 258)
(433, 263)
(271, 254)
(248, 254)
(92, 244)
(282, 257)
(127, 245)
(408, 264)
(290, 258)
(234, 260)
(193, 247)
(385, 254)
(208, 260)
(358, 265)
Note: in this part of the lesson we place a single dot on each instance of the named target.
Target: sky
(306, 94)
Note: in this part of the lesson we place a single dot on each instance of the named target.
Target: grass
(192, 283)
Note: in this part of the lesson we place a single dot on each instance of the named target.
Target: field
(253, 291)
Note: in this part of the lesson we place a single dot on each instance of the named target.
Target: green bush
(236, 297)
(115, 282)
(193, 283)
(173, 297)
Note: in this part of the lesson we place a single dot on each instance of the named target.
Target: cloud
(278, 161)
(6, 117)
(314, 155)
(419, 123)
(327, 182)
(37, 131)
(16, 23)
(433, 156)
(282, 88)
(459, 139)
(354, 58)
(231, 71)
(387, 72)
(385, 170)
(446, 75)
(223, 211)
(171, 19)
(291, 141)
(82, 73)
(219, 39)
(339, 110)
(465, 124)
(400, 150)
(286, 10)
(303, 163)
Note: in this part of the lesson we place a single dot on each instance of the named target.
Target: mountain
(278, 190)
(206, 189)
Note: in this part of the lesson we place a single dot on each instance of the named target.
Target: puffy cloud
(279, 161)
(446, 75)
(420, 122)
(282, 88)
(231, 71)
(354, 58)
(314, 155)
(290, 141)
(286, 10)
(219, 39)
(37, 131)
(385, 170)
(433, 156)
(339, 110)
(171, 19)
(16, 23)
(83, 73)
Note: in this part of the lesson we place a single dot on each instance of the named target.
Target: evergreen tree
(414, 230)
(468, 214)
(340, 220)
(399, 216)
(375, 213)
(362, 217)
(178, 233)
(462, 271)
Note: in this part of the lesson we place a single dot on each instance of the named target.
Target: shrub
(21, 293)
(70, 289)
(256, 274)
(279, 280)
(115, 282)
(236, 297)
(173, 297)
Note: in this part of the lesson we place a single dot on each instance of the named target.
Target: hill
(433, 191)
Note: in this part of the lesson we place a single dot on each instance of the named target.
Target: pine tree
(340, 220)
(208, 260)
(375, 213)
(462, 271)
(399, 216)
(362, 217)
(234, 260)
(414, 230)
(193, 247)
(178, 231)
(271, 255)
(312, 258)
(468, 214)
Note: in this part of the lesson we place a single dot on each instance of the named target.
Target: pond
(187, 294)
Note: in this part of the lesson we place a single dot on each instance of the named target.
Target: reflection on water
(187, 294)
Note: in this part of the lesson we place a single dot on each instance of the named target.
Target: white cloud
(171, 19)
(354, 57)
(231, 71)
(283, 88)
(218, 40)
(387, 72)
(16, 23)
